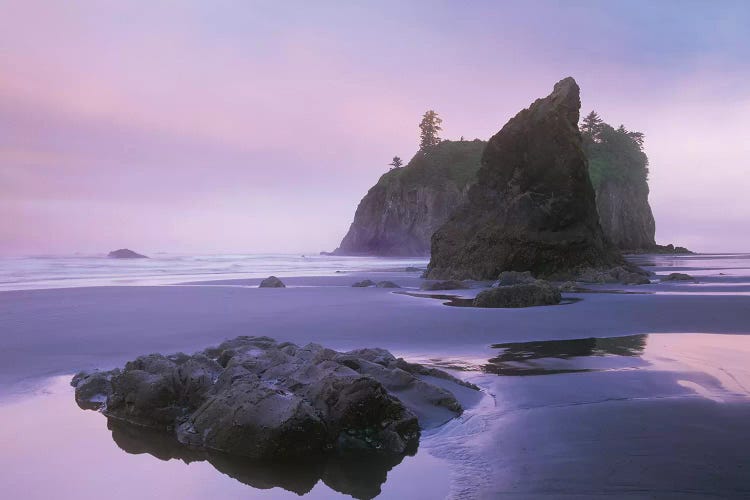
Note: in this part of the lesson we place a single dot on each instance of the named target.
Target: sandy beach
(665, 418)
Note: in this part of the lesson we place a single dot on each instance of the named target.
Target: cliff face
(625, 214)
(401, 212)
(533, 206)
(618, 168)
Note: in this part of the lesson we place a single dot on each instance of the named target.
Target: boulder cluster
(258, 398)
(518, 289)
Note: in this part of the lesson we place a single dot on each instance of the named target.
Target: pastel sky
(257, 126)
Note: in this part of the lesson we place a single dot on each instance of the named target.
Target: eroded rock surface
(363, 284)
(257, 398)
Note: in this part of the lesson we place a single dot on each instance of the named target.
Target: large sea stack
(533, 206)
(400, 213)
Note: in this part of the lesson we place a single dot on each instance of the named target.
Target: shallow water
(33, 273)
(605, 396)
(82, 451)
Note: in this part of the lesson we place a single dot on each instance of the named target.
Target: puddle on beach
(712, 365)
(82, 452)
(567, 356)
(85, 453)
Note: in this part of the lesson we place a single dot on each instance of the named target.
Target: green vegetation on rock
(456, 161)
(614, 154)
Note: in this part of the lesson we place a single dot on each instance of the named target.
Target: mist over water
(29, 273)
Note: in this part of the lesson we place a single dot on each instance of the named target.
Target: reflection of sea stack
(125, 253)
(532, 207)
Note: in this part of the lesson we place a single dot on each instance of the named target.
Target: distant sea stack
(618, 168)
(533, 206)
(400, 213)
(125, 253)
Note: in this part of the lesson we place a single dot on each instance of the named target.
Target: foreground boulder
(272, 282)
(532, 207)
(256, 398)
(125, 253)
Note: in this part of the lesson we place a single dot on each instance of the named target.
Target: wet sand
(671, 419)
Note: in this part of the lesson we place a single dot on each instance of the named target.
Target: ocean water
(29, 273)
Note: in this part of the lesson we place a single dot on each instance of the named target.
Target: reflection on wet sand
(561, 356)
(360, 478)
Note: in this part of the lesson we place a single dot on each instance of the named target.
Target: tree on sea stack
(430, 127)
(591, 126)
(396, 162)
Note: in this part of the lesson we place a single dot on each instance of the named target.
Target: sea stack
(399, 214)
(533, 207)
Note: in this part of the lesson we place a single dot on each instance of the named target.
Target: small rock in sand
(262, 399)
(363, 284)
(444, 285)
(538, 293)
(387, 284)
(678, 277)
(272, 282)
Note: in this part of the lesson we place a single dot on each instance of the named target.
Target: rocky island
(125, 253)
(399, 214)
(257, 398)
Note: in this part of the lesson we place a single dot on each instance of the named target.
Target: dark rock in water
(363, 284)
(400, 213)
(678, 277)
(532, 207)
(514, 278)
(327, 254)
(669, 249)
(272, 282)
(124, 253)
(627, 275)
(412, 270)
(387, 284)
(444, 285)
(538, 293)
(92, 389)
(257, 398)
